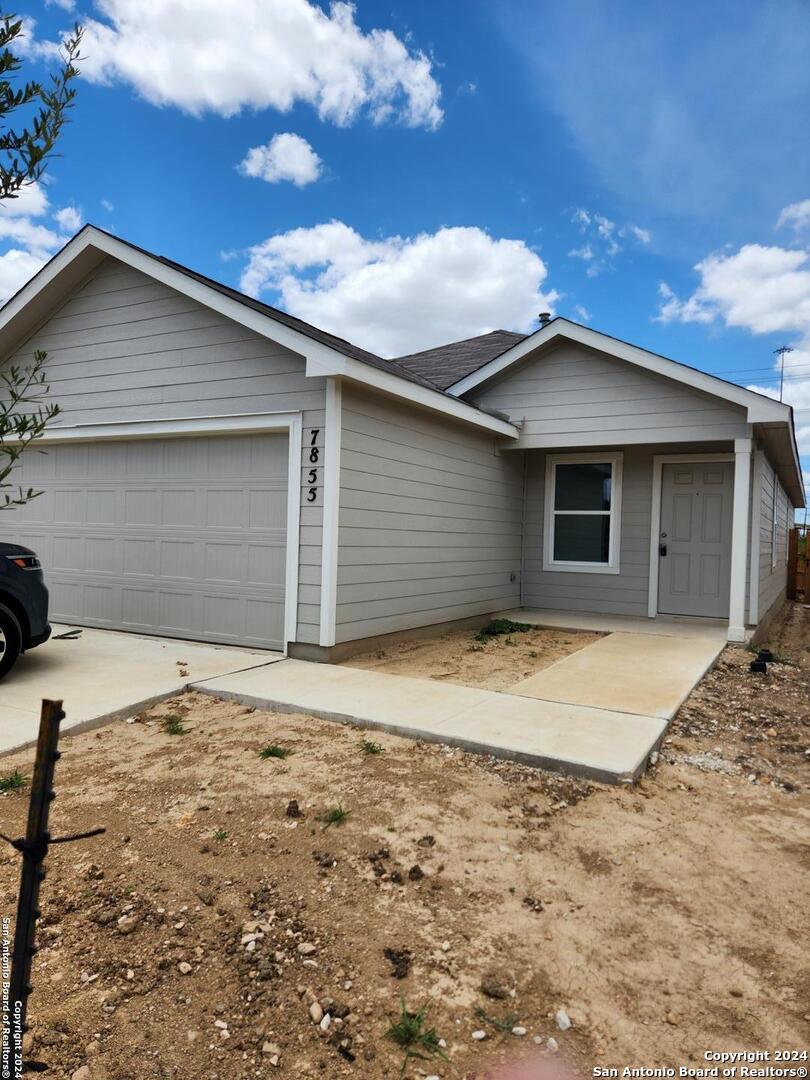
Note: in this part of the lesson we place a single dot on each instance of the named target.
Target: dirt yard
(218, 920)
(466, 657)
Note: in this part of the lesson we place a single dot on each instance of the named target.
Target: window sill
(579, 568)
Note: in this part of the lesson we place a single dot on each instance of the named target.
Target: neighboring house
(225, 472)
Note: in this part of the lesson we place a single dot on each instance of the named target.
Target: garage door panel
(180, 537)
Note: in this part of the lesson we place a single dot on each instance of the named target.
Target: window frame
(615, 458)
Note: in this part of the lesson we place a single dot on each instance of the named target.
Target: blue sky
(444, 169)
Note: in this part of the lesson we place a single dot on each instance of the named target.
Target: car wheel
(10, 640)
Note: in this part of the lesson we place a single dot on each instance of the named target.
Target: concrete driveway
(103, 674)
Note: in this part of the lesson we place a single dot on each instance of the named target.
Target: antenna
(780, 352)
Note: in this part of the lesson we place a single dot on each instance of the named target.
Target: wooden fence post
(793, 563)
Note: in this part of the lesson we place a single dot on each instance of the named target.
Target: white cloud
(68, 219)
(400, 294)
(763, 290)
(797, 215)
(16, 267)
(24, 223)
(107, 205)
(223, 56)
(582, 313)
(285, 157)
(65, 5)
(605, 239)
(30, 201)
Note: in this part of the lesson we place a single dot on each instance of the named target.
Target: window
(583, 508)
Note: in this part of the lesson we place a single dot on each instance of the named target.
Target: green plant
(509, 641)
(499, 627)
(335, 816)
(274, 751)
(369, 747)
(506, 1024)
(24, 411)
(172, 724)
(533, 655)
(12, 781)
(409, 1033)
(220, 835)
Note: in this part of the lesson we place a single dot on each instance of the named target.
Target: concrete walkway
(633, 673)
(600, 743)
(103, 674)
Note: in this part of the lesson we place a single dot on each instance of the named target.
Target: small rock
(479, 1035)
(82, 1073)
(416, 873)
(293, 810)
(518, 1030)
(221, 1024)
(271, 1049)
(316, 1012)
(184, 967)
(563, 1020)
(552, 1045)
(671, 1018)
(325, 1022)
(445, 946)
(127, 923)
(306, 948)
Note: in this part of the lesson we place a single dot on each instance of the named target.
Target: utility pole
(780, 352)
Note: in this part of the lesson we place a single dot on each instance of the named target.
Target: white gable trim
(759, 408)
(321, 359)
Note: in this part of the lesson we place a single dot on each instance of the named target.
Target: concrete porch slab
(103, 674)
(602, 744)
(663, 625)
(631, 673)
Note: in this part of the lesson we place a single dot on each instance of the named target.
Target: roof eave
(89, 245)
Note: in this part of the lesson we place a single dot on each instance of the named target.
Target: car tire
(10, 640)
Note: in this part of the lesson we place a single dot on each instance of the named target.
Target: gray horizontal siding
(568, 395)
(772, 542)
(430, 520)
(625, 593)
(125, 347)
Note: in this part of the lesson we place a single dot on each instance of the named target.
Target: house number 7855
(314, 457)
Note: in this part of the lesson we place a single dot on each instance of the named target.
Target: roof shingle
(446, 364)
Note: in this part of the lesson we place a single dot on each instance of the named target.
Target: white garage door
(182, 537)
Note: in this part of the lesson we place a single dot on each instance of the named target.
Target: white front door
(694, 562)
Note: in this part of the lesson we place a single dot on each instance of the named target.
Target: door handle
(662, 549)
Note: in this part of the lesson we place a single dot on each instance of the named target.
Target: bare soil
(666, 919)
(460, 657)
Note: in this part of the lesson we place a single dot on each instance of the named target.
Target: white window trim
(613, 565)
(236, 424)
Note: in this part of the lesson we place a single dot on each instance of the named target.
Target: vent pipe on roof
(544, 317)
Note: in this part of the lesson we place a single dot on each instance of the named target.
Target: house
(222, 471)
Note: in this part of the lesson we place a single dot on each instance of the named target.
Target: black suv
(23, 604)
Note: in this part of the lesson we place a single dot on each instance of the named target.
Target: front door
(694, 565)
